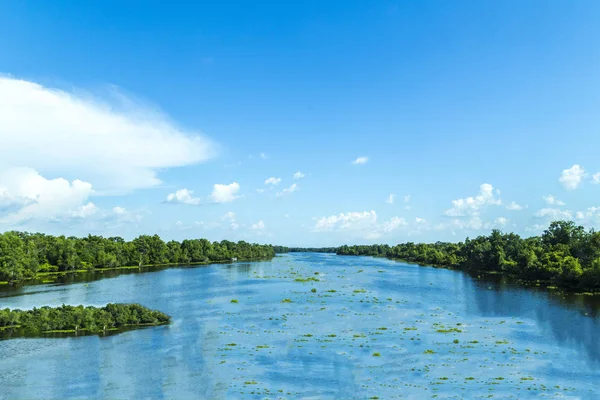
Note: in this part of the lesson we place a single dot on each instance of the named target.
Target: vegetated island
(26, 256)
(77, 320)
(565, 256)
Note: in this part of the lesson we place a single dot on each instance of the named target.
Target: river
(371, 328)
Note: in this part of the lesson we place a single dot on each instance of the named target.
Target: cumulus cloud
(272, 181)
(393, 224)
(553, 201)
(365, 222)
(596, 178)
(513, 206)
(553, 214)
(85, 211)
(360, 160)
(183, 196)
(590, 216)
(27, 195)
(390, 199)
(230, 218)
(118, 147)
(473, 205)
(122, 215)
(345, 220)
(571, 178)
(119, 210)
(225, 193)
(259, 226)
(288, 190)
(407, 198)
(500, 221)
(299, 175)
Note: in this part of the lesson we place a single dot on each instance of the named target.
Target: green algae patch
(309, 279)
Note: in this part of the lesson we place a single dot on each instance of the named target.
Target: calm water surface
(373, 329)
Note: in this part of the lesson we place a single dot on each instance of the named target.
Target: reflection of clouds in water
(560, 318)
(193, 357)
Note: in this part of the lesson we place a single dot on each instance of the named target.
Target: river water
(372, 328)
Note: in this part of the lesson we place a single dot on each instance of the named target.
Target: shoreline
(52, 277)
(514, 278)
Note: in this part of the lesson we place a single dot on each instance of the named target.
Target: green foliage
(565, 255)
(79, 318)
(23, 255)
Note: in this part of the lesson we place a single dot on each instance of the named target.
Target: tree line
(565, 255)
(284, 249)
(78, 319)
(23, 255)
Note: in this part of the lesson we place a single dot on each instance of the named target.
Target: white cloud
(183, 196)
(230, 218)
(259, 226)
(590, 216)
(513, 206)
(272, 181)
(122, 215)
(360, 160)
(118, 147)
(225, 193)
(263, 156)
(393, 224)
(345, 221)
(119, 210)
(85, 211)
(260, 190)
(407, 198)
(537, 228)
(500, 221)
(596, 178)
(473, 205)
(554, 214)
(390, 199)
(571, 178)
(420, 220)
(553, 201)
(28, 195)
(365, 221)
(299, 175)
(288, 190)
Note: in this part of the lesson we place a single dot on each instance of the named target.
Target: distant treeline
(565, 254)
(23, 255)
(67, 319)
(283, 249)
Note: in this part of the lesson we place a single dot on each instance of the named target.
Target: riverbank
(77, 320)
(512, 278)
(53, 277)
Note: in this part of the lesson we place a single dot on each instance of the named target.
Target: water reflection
(321, 345)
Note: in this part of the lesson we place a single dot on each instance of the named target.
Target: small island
(77, 320)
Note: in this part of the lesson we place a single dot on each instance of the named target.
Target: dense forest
(78, 319)
(24, 255)
(565, 255)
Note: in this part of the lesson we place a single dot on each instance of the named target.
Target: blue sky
(120, 119)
